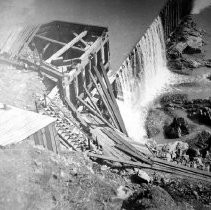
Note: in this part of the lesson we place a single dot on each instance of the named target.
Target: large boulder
(194, 45)
(200, 144)
(190, 61)
(176, 129)
(208, 63)
(202, 114)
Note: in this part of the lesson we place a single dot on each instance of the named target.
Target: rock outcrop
(183, 46)
(176, 129)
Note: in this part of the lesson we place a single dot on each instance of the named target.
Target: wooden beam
(50, 40)
(94, 112)
(78, 48)
(91, 49)
(58, 42)
(84, 42)
(108, 98)
(180, 167)
(67, 46)
(90, 98)
(49, 70)
(153, 167)
(117, 112)
(104, 100)
(126, 147)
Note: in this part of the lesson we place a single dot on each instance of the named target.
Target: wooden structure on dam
(76, 58)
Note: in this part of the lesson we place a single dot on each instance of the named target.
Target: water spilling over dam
(141, 78)
(144, 74)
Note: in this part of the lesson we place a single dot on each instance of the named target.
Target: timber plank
(113, 99)
(66, 47)
(93, 111)
(50, 40)
(153, 167)
(103, 99)
(108, 98)
(127, 147)
(90, 98)
(48, 138)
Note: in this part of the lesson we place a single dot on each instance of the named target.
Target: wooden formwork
(77, 58)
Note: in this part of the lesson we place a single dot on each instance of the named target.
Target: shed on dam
(17, 125)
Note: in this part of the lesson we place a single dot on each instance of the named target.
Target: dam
(144, 73)
(108, 107)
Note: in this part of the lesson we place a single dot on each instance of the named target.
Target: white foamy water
(142, 77)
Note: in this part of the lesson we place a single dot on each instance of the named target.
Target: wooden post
(90, 98)
(87, 76)
(35, 102)
(76, 113)
(67, 47)
(45, 100)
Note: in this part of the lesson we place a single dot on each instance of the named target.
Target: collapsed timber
(83, 100)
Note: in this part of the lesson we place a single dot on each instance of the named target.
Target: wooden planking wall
(47, 137)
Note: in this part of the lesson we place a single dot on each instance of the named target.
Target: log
(67, 47)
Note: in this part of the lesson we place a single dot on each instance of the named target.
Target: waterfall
(142, 76)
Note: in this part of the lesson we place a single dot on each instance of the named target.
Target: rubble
(202, 114)
(185, 153)
(143, 175)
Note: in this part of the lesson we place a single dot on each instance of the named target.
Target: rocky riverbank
(179, 123)
(38, 179)
(185, 47)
